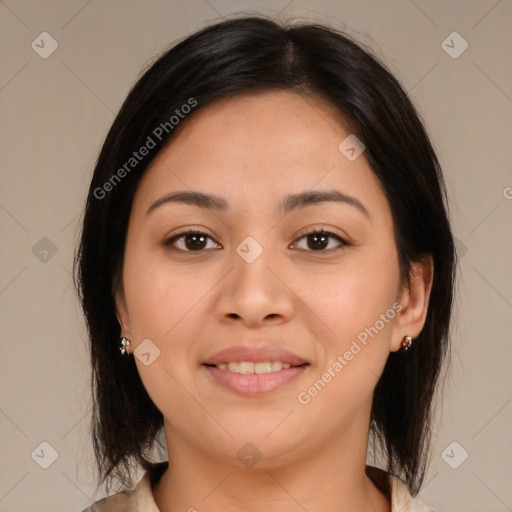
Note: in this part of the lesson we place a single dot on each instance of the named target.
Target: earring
(406, 343)
(125, 342)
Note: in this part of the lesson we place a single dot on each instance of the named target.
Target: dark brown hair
(247, 55)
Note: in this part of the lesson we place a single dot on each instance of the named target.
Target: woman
(266, 242)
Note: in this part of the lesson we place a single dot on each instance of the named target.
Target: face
(252, 282)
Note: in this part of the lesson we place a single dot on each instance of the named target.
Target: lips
(255, 354)
(288, 367)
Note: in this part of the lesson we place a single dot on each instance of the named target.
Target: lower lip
(254, 384)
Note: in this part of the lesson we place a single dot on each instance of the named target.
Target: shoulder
(114, 503)
(138, 499)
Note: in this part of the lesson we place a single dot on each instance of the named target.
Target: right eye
(189, 241)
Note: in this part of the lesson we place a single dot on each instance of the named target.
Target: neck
(325, 478)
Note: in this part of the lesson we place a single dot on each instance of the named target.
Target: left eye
(319, 240)
(195, 241)
(190, 241)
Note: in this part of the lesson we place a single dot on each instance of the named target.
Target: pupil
(323, 243)
(199, 240)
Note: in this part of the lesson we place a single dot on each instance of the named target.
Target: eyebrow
(289, 203)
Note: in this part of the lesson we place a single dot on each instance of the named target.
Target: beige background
(55, 114)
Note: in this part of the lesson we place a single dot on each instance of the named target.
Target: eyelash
(169, 241)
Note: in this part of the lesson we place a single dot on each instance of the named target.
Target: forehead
(263, 125)
(254, 147)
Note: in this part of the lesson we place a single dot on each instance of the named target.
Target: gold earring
(406, 343)
(125, 342)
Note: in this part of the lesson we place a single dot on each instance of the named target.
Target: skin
(253, 150)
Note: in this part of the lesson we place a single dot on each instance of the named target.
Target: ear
(122, 314)
(414, 300)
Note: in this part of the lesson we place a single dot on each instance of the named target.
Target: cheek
(158, 296)
(356, 305)
(351, 297)
(163, 307)
(166, 304)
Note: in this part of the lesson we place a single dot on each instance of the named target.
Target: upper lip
(255, 354)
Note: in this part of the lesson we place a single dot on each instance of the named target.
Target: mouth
(249, 383)
(253, 371)
(250, 367)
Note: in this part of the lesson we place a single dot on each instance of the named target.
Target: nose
(255, 294)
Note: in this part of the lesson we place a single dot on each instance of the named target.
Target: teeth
(265, 367)
(248, 367)
(244, 367)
